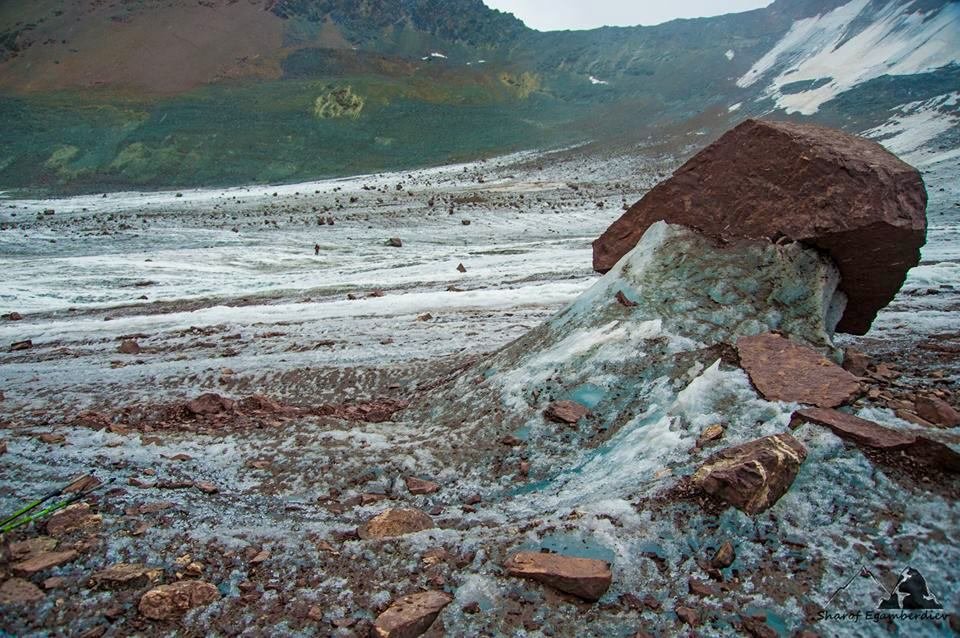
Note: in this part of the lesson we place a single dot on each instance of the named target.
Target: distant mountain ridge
(98, 94)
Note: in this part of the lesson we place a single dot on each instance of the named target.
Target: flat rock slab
(782, 370)
(395, 522)
(17, 591)
(585, 578)
(753, 476)
(846, 196)
(568, 412)
(42, 561)
(168, 602)
(124, 575)
(411, 616)
(868, 434)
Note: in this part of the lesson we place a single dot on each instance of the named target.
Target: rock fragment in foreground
(168, 602)
(847, 196)
(783, 370)
(17, 591)
(875, 436)
(395, 522)
(411, 616)
(585, 578)
(753, 476)
(568, 412)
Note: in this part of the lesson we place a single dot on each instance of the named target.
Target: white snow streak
(898, 41)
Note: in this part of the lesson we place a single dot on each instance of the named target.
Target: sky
(552, 15)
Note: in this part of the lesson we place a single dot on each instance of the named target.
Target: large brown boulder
(844, 195)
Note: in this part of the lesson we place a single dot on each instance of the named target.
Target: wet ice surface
(526, 252)
(588, 493)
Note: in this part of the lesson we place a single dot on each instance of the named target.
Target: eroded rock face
(167, 602)
(585, 578)
(395, 522)
(753, 476)
(783, 370)
(845, 195)
(411, 616)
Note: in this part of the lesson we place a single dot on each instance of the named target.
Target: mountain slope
(151, 93)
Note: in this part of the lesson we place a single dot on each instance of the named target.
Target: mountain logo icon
(911, 592)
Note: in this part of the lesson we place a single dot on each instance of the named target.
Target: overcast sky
(551, 15)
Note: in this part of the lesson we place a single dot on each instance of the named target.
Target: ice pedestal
(647, 349)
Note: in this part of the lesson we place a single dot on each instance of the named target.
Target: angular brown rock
(786, 371)
(210, 403)
(846, 196)
(30, 547)
(129, 346)
(42, 561)
(17, 591)
(585, 578)
(168, 602)
(21, 345)
(855, 362)
(420, 486)
(710, 433)
(411, 616)
(76, 517)
(724, 556)
(753, 476)
(937, 411)
(568, 412)
(875, 436)
(395, 522)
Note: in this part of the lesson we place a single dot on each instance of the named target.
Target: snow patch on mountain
(913, 130)
(825, 55)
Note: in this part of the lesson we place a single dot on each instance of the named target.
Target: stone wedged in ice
(842, 194)
(753, 476)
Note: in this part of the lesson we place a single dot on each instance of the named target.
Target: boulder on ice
(844, 195)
